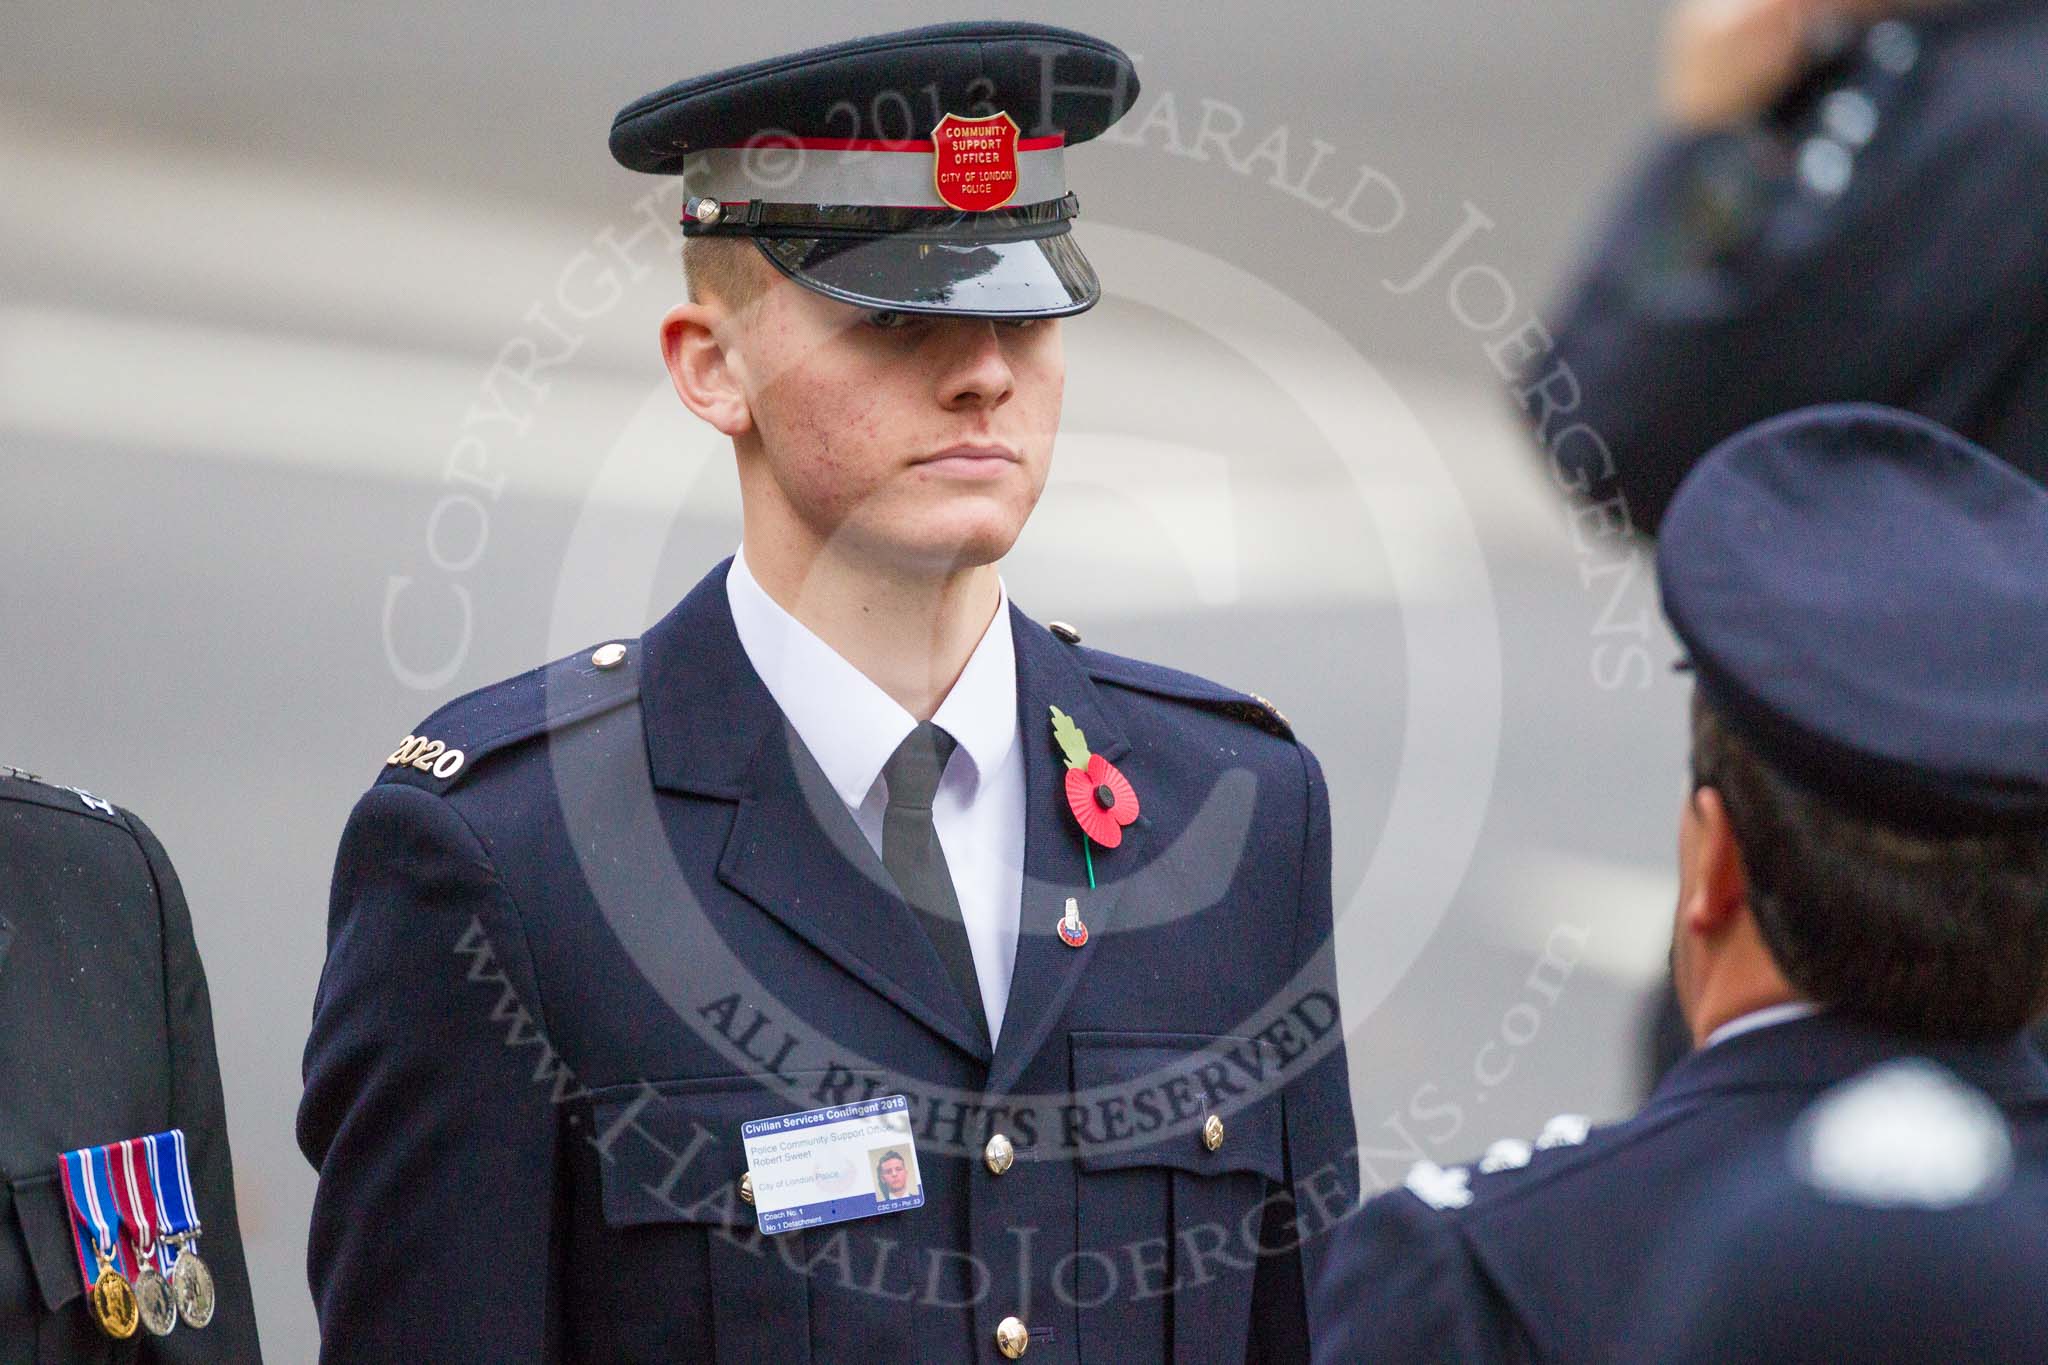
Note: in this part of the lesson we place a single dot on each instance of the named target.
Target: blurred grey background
(328, 391)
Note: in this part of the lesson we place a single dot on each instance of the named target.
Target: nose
(977, 373)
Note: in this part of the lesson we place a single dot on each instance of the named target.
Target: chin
(948, 540)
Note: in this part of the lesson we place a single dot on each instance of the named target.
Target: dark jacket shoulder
(497, 720)
(24, 788)
(1157, 680)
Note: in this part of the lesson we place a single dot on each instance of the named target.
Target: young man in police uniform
(106, 1034)
(1850, 204)
(844, 825)
(1863, 865)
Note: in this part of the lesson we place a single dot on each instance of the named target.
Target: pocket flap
(670, 1151)
(1144, 1099)
(45, 1220)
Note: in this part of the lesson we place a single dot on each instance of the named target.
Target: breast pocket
(42, 1310)
(680, 1270)
(1181, 1137)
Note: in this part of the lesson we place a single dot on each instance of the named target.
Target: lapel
(1821, 1051)
(1047, 970)
(793, 849)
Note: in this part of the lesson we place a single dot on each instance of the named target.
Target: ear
(697, 342)
(1717, 887)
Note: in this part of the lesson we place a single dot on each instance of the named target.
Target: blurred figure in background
(1851, 204)
(1863, 875)
(1899, 1224)
(106, 1037)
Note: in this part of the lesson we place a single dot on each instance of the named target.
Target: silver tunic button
(999, 1154)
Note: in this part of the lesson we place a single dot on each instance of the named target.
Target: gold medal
(192, 1283)
(112, 1302)
(155, 1301)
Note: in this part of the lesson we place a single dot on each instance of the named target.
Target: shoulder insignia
(1278, 714)
(1566, 1130)
(92, 802)
(56, 794)
(1509, 1154)
(451, 741)
(427, 756)
(1437, 1187)
(1171, 682)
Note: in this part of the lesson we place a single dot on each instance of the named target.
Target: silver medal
(156, 1302)
(192, 1282)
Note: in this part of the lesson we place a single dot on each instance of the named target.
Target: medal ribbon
(95, 1218)
(136, 1196)
(170, 1180)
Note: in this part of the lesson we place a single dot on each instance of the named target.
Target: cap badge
(974, 161)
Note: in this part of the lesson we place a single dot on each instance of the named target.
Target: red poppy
(1102, 799)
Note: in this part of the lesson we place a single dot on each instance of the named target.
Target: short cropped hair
(1941, 937)
(725, 268)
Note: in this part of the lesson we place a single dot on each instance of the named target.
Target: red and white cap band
(792, 170)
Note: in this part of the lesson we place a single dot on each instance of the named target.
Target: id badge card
(831, 1165)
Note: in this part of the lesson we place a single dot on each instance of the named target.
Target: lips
(969, 459)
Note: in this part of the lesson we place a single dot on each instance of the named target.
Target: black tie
(912, 855)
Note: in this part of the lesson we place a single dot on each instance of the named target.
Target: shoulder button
(1064, 631)
(609, 656)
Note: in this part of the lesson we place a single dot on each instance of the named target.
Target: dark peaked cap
(1051, 80)
(1864, 595)
(921, 171)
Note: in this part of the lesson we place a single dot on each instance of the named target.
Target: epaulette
(1160, 681)
(1451, 1188)
(449, 745)
(16, 784)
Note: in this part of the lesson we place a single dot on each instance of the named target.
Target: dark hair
(889, 1156)
(1934, 936)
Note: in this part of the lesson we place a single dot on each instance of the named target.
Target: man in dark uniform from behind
(1851, 205)
(844, 825)
(1863, 863)
(106, 1034)
(1900, 1222)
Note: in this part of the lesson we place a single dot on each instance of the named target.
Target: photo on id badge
(894, 1180)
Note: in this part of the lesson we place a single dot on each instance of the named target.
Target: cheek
(1046, 364)
(820, 428)
(1041, 377)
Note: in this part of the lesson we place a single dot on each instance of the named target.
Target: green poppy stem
(1088, 852)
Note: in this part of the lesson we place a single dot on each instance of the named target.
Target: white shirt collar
(850, 725)
(1763, 1018)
